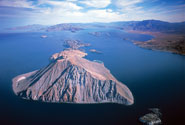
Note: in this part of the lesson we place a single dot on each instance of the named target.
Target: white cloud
(72, 0)
(61, 11)
(73, 11)
(96, 3)
(64, 5)
(50, 16)
(103, 15)
(16, 3)
(124, 3)
(60, 5)
(129, 7)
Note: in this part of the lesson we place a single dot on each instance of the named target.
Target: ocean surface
(156, 79)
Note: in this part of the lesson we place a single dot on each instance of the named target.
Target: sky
(50, 12)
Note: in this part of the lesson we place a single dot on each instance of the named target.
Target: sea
(156, 79)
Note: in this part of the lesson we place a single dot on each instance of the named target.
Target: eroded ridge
(71, 78)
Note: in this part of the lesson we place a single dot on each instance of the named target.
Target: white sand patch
(21, 78)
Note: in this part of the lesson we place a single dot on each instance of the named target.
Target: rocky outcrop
(99, 34)
(71, 78)
(152, 118)
(75, 44)
(95, 51)
(44, 36)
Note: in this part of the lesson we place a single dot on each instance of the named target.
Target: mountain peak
(70, 53)
(70, 78)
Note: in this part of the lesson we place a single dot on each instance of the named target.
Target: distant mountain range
(152, 26)
(61, 27)
(34, 27)
(40, 28)
(146, 25)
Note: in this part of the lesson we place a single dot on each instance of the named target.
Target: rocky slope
(72, 79)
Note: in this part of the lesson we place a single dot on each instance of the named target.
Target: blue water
(156, 79)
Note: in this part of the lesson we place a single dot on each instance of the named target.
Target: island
(70, 78)
(99, 34)
(152, 118)
(75, 44)
(95, 51)
(44, 36)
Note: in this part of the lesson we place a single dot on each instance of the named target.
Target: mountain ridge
(70, 78)
(145, 25)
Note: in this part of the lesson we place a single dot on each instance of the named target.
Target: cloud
(129, 6)
(96, 3)
(72, 0)
(64, 5)
(105, 15)
(17, 3)
(58, 6)
(95, 15)
(125, 3)
(85, 11)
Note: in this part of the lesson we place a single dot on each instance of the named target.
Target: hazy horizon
(19, 25)
(51, 12)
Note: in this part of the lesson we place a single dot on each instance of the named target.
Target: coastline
(167, 42)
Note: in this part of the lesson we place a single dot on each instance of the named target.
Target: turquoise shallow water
(157, 79)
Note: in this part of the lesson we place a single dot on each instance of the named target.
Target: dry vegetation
(174, 43)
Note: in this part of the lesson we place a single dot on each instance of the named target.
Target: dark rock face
(150, 119)
(72, 79)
